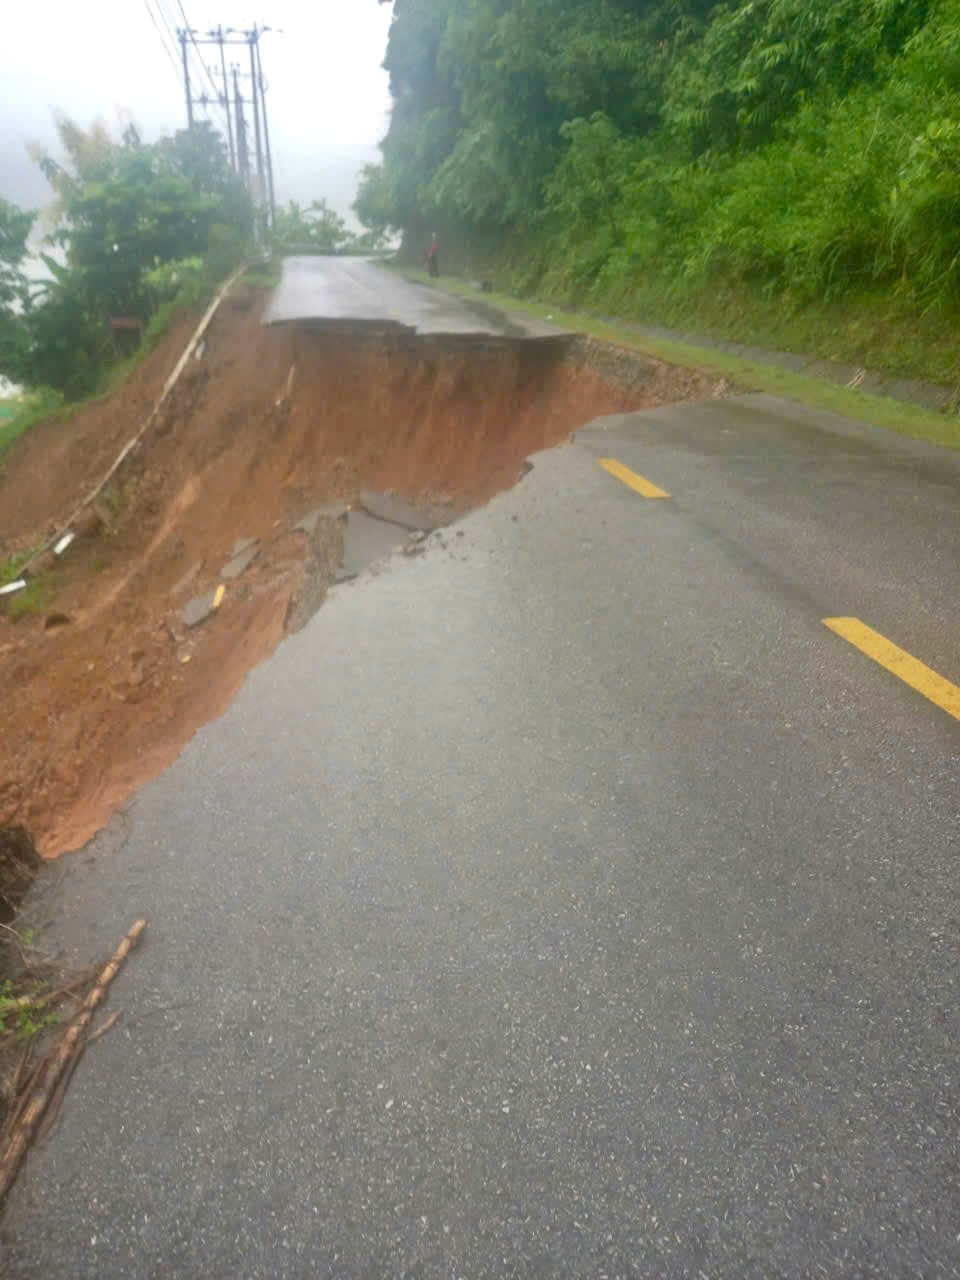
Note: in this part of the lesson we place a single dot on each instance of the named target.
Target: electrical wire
(166, 49)
(168, 27)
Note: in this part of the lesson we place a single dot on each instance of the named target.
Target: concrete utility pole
(226, 97)
(261, 186)
(243, 156)
(184, 36)
(252, 39)
(266, 140)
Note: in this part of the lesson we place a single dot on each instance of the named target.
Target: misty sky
(326, 92)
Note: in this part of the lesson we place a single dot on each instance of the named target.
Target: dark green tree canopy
(123, 208)
(812, 145)
(15, 227)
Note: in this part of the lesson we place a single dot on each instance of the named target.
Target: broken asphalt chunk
(200, 608)
(241, 561)
(383, 506)
(330, 510)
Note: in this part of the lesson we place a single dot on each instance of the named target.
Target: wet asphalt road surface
(566, 900)
(354, 291)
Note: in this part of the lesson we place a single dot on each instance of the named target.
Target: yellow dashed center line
(934, 687)
(900, 663)
(631, 479)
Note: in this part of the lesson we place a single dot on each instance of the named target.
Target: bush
(227, 247)
(185, 281)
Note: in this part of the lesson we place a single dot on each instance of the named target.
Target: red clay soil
(104, 685)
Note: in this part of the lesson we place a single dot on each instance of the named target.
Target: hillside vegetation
(137, 230)
(790, 167)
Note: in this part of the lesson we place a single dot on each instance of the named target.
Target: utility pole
(243, 156)
(184, 37)
(266, 139)
(226, 97)
(260, 186)
(205, 101)
(252, 39)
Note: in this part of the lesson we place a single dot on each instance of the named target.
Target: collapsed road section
(288, 457)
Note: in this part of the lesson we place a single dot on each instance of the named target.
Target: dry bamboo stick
(26, 1093)
(56, 1101)
(108, 1025)
(59, 1061)
(20, 1072)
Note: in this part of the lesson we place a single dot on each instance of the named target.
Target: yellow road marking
(631, 479)
(902, 664)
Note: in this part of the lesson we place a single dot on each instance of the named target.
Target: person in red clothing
(433, 256)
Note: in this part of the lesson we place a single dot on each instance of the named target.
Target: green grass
(25, 1021)
(906, 419)
(11, 566)
(34, 598)
(881, 331)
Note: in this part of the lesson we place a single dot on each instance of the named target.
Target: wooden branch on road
(59, 1063)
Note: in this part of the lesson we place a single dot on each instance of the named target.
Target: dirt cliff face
(105, 679)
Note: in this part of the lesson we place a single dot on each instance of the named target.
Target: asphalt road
(339, 291)
(568, 900)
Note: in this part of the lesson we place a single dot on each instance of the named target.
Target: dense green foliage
(804, 148)
(124, 209)
(318, 229)
(14, 229)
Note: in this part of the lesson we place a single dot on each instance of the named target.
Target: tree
(123, 209)
(317, 228)
(15, 227)
(138, 205)
(807, 145)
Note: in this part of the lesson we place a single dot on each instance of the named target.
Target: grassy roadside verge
(878, 411)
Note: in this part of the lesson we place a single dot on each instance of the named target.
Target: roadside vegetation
(783, 171)
(138, 232)
(316, 228)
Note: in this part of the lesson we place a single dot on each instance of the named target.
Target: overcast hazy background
(326, 92)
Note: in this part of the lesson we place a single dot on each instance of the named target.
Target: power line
(165, 21)
(170, 56)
